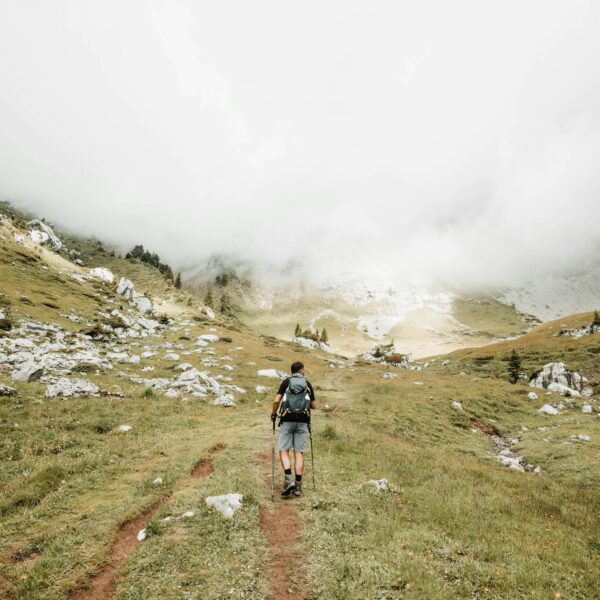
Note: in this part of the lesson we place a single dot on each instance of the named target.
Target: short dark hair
(297, 366)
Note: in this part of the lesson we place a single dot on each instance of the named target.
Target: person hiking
(293, 425)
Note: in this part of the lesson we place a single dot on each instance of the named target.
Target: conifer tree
(178, 281)
(596, 321)
(208, 299)
(315, 335)
(514, 366)
(324, 336)
(297, 331)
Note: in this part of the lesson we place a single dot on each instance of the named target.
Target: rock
(532, 396)
(276, 374)
(261, 389)
(103, 274)
(6, 390)
(381, 485)
(141, 536)
(171, 356)
(457, 405)
(124, 428)
(389, 354)
(125, 288)
(587, 392)
(547, 409)
(209, 312)
(389, 375)
(227, 368)
(171, 393)
(158, 481)
(224, 399)
(208, 337)
(586, 409)
(445, 363)
(513, 462)
(227, 504)
(582, 437)
(308, 343)
(148, 354)
(149, 324)
(556, 378)
(52, 238)
(28, 372)
(184, 367)
(38, 237)
(71, 387)
(417, 383)
(143, 304)
(19, 238)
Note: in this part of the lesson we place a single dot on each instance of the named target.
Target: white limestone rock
(51, 237)
(143, 304)
(532, 396)
(261, 389)
(71, 387)
(390, 375)
(224, 399)
(208, 337)
(274, 373)
(227, 504)
(312, 344)
(28, 372)
(125, 288)
(381, 485)
(103, 274)
(457, 405)
(124, 428)
(6, 390)
(586, 409)
(556, 378)
(547, 409)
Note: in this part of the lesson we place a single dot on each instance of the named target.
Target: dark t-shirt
(290, 416)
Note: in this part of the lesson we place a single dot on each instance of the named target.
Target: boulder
(381, 485)
(143, 304)
(308, 343)
(532, 396)
(224, 399)
(261, 389)
(586, 409)
(555, 377)
(38, 237)
(28, 372)
(125, 288)
(124, 428)
(52, 238)
(456, 405)
(208, 337)
(149, 324)
(103, 274)
(171, 356)
(227, 504)
(71, 387)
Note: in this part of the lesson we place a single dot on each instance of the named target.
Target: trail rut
(103, 583)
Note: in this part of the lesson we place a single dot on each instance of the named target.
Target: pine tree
(297, 331)
(178, 281)
(514, 366)
(324, 336)
(596, 321)
(208, 299)
(315, 335)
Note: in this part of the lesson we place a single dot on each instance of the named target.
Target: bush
(329, 432)
(147, 393)
(5, 324)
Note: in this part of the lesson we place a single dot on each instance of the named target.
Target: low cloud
(454, 142)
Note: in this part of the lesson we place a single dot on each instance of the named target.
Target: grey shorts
(293, 435)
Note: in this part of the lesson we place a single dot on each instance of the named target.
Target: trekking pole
(273, 465)
(312, 455)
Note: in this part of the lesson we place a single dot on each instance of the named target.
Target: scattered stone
(582, 437)
(381, 485)
(141, 536)
(227, 504)
(208, 337)
(171, 393)
(124, 428)
(445, 363)
(547, 409)
(417, 383)
(158, 481)
(312, 344)
(6, 390)
(457, 405)
(532, 396)
(70, 387)
(390, 375)
(224, 399)
(261, 389)
(586, 409)
(171, 356)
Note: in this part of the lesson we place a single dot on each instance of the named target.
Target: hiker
(293, 425)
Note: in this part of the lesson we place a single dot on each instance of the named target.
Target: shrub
(329, 432)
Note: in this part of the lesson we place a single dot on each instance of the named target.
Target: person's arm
(278, 398)
(311, 393)
(276, 403)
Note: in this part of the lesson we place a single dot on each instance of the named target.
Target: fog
(429, 141)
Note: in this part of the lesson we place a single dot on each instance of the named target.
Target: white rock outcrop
(586, 409)
(274, 373)
(52, 239)
(6, 390)
(103, 274)
(556, 378)
(71, 387)
(143, 304)
(125, 288)
(381, 485)
(227, 504)
(308, 343)
(532, 396)
(547, 409)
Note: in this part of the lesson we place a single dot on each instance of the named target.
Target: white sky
(456, 140)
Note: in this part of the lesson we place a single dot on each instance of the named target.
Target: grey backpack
(296, 397)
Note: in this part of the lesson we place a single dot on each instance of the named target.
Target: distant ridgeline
(152, 259)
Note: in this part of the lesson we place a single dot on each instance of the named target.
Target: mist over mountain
(398, 142)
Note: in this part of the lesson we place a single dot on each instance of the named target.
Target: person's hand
(273, 417)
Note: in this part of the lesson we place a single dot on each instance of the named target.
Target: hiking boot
(288, 487)
(298, 491)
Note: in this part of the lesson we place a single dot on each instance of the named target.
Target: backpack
(296, 399)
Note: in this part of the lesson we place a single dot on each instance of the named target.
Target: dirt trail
(103, 584)
(281, 527)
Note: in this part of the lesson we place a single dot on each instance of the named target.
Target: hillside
(485, 496)
(358, 314)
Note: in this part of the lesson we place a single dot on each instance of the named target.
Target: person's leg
(284, 456)
(298, 462)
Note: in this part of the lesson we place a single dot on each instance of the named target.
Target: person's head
(297, 367)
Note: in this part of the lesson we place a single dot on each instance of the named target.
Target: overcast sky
(455, 140)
